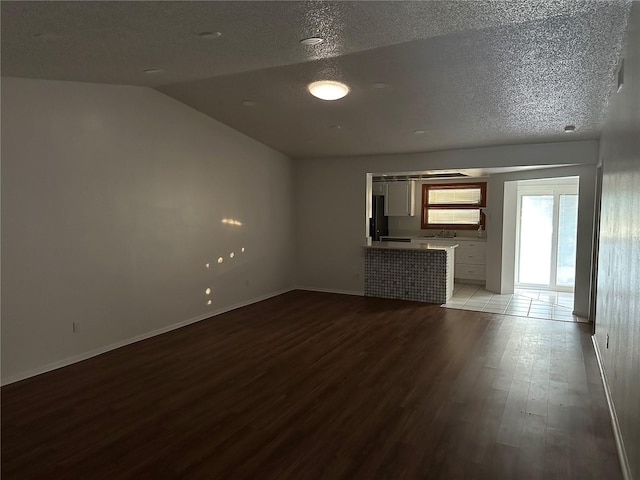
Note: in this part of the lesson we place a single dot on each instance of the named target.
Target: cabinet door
(399, 199)
(470, 272)
(471, 258)
(474, 254)
(377, 188)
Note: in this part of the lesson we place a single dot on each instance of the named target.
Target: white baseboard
(622, 454)
(331, 290)
(98, 351)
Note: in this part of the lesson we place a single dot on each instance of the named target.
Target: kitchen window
(456, 206)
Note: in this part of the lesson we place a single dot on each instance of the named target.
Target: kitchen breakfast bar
(407, 271)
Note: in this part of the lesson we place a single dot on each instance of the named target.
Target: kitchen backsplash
(410, 226)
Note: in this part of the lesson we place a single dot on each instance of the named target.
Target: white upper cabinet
(377, 188)
(400, 199)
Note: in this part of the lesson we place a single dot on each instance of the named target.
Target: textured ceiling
(467, 73)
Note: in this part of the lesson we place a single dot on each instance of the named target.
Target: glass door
(546, 237)
(567, 233)
(536, 240)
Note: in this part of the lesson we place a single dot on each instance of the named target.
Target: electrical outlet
(607, 340)
(76, 327)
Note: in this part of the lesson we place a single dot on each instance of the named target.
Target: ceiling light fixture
(210, 35)
(152, 71)
(328, 90)
(312, 41)
(569, 129)
(249, 103)
(419, 132)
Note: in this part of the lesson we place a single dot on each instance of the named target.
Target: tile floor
(546, 304)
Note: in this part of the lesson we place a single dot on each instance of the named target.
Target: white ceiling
(468, 73)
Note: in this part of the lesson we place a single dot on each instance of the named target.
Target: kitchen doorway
(546, 233)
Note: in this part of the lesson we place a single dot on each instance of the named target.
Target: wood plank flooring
(311, 385)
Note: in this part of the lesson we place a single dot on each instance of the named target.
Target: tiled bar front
(408, 274)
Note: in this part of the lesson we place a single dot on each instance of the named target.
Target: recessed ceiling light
(249, 103)
(569, 129)
(152, 71)
(328, 90)
(312, 41)
(335, 127)
(419, 132)
(379, 85)
(210, 35)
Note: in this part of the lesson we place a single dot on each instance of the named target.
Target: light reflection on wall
(207, 265)
(231, 221)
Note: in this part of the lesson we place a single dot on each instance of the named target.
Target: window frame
(426, 187)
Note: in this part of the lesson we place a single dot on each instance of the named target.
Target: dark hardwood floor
(321, 386)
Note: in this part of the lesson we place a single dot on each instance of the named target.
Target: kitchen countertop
(410, 246)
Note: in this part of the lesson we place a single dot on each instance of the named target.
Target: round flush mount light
(312, 41)
(569, 129)
(328, 90)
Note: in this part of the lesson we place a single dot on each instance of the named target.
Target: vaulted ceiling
(423, 76)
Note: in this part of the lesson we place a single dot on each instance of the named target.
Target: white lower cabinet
(470, 272)
(470, 258)
(471, 261)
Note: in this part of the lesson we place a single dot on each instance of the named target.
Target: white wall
(330, 203)
(112, 201)
(618, 292)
